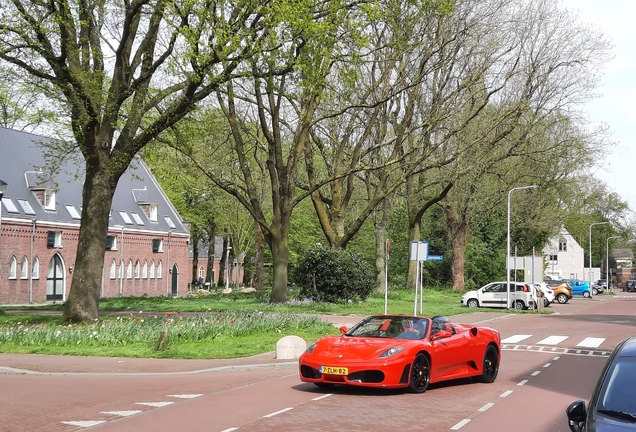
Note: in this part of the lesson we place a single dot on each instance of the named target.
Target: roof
(623, 254)
(22, 162)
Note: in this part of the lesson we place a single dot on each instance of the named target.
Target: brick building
(146, 252)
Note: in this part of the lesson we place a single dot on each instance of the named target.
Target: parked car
(401, 351)
(580, 287)
(612, 406)
(629, 285)
(547, 293)
(562, 290)
(597, 289)
(496, 295)
(601, 282)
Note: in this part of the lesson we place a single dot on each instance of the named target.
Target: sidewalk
(49, 364)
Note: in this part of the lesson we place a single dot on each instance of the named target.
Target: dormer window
(49, 199)
(152, 212)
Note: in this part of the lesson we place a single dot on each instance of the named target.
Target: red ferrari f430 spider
(399, 351)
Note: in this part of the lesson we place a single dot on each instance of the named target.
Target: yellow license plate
(333, 370)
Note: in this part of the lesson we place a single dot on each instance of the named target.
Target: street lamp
(3, 188)
(607, 272)
(589, 274)
(508, 241)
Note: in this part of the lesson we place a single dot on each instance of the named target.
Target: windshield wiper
(620, 414)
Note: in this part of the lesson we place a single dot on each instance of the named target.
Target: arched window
(137, 269)
(113, 269)
(159, 270)
(121, 269)
(13, 263)
(152, 269)
(201, 272)
(55, 279)
(24, 268)
(129, 270)
(35, 268)
(144, 270)
(563, 244)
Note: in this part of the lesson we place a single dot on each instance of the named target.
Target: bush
(333, 276)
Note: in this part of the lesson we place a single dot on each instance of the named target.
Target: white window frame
(144, 270)
(35, 268)
(137, 268)
(24, 268)
(13, 264)
(129, 269)
(153, 212)
(151, 274)
(49, 199)
(113, 269)
(10, 205)
(159, 270)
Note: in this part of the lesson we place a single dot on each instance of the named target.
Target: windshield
(400, 327)
(617, 393)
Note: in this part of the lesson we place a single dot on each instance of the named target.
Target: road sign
(435, 258)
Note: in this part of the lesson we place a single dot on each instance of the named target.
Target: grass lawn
(223, 326)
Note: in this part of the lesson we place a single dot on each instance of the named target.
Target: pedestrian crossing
(563, 343)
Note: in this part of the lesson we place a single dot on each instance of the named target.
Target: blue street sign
(435, 257)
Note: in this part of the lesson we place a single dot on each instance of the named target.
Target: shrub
(333, 276)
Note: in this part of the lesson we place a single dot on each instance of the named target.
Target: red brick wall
(16, 240)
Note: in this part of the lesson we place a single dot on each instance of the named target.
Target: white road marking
(515, 338)
(485, 407)
(522, 382)
(86, 423)
(535, 373)
(459, 425)
(506, 393)
(552, 340)
(322, 397)
(155, 404)
(230, 429)
(591, 342)
(122, 413)
(556, 358)
(278, 412)
(186, 396)
(547, 365)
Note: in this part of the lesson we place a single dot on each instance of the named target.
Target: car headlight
(311, 348)
(391, 352)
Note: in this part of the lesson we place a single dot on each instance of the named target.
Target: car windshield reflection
(617, 395)
(399, 327)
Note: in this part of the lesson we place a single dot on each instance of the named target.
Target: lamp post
(589, 270)
(607, 272)
(508, 240)
(3, 188)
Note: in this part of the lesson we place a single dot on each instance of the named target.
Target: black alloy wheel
(490, 367)
(420, 374)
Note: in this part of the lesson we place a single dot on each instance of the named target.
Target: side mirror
(343, 329)
(441, 334)
(576, 413)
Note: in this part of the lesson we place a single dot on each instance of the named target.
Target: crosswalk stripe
(84, 423)
(552, 340)
(591, 342)
(515, 338)
(155, 404)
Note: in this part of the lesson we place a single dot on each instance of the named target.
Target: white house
(564, 258)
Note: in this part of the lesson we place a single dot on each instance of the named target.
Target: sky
(615, 106)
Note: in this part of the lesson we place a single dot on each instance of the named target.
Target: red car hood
(354, 348)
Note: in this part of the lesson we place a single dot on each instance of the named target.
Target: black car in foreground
(612, 407)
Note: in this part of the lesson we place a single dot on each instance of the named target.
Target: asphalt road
(548, 362)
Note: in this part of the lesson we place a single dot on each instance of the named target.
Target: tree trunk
(458, 231)
(83, 300)
(222, 265)
(380, 245)
(278, 241)
(210, 275)
(259, 259)
(195, 259)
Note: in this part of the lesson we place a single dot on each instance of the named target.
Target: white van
(495, 295)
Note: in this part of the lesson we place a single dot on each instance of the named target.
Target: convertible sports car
(400, 351)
